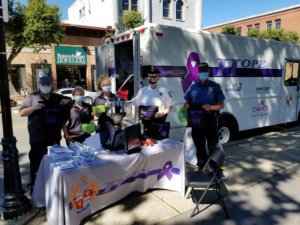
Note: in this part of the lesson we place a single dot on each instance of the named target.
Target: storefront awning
(65, 55)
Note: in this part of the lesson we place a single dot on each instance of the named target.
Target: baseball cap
(45, 80)
(203, 66)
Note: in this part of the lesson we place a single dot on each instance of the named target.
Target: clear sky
(216, 11)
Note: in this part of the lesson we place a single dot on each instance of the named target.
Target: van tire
(226, 131)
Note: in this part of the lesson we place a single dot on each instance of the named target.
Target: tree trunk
(13, 54)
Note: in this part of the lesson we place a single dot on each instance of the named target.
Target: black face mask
(152, 82)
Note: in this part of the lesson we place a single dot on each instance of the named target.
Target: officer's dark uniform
(44, 127)
(199, 94)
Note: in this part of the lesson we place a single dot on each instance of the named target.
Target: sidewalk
(262, 177)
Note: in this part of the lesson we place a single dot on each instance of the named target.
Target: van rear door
(105, 61)
(290, 95)
(136, 62)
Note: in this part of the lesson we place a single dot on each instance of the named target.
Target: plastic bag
(189, 146)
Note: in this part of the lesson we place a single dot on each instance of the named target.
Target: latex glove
(65, 101)
(38, 106)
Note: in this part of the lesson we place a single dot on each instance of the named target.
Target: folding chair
(207, 179)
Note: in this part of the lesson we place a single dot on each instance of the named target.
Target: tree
(254, 33)
(275, 34)
(230, 29)
(34, 25)
(131, 19)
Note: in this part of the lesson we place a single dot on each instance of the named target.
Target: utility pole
(14, 203)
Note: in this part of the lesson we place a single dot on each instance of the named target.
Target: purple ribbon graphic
(167, 170)
(192, 68)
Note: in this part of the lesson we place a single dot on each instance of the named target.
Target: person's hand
(97, 114)
(186, 106)
(159, 115)
(207, 107)
(69, 137)
(38, 106)
(65, 101)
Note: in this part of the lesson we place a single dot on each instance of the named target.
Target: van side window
(291, 73)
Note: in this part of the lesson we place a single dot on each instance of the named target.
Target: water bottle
(122, 106)
(113, 106)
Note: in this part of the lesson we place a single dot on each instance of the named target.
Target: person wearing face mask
(44, 110)
(106, 126)
(79, 114)
(154, 96)
(205, 99)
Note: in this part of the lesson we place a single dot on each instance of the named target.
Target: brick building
(286, 18)
(73, 60)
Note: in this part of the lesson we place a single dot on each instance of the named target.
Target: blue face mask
(78, 98)
(106, 89)
(203, 76)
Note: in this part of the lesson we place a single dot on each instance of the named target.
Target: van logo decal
(233, 87)
(192, 65)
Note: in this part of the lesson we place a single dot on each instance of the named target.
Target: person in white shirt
(154, 95)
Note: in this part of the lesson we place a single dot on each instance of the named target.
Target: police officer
(154, 95)
(44, 111)
(209, 97)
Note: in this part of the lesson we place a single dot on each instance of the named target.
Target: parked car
(89, 96)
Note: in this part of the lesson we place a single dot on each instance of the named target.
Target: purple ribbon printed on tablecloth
(167, 171)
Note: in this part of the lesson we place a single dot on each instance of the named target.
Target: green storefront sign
(65, 55)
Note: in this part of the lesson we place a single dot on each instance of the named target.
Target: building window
(269, 24)
(166, 8)
(134, 5)
(179, 10)
(257, 26)
(249, 27)
(239, 30)
(278, 24)
(125, 4)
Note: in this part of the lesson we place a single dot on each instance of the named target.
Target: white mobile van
(260, 78)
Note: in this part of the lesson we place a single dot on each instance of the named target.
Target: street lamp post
(14, 203)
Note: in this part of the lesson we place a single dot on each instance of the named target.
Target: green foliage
(230, 29)
(292, 36)
(34, 25)
(275, 34)
(131, 19)
(109, 34)
(254, 33)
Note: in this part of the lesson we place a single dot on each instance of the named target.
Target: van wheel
(225, 132)
(88, 100)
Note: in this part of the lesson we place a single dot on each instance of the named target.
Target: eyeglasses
(153, 75)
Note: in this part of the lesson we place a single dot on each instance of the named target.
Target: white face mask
(45, 89)
(106, 89)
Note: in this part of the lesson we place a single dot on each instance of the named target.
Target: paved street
(262, 178)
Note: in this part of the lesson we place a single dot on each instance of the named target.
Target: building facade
(286, 18)
(72, 62)
(106, 13)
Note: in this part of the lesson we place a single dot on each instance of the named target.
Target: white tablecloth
(73, 194)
